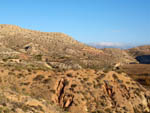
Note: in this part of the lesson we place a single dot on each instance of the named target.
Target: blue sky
(121, 21)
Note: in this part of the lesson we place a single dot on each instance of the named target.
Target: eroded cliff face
(81, 91)
(63, 99)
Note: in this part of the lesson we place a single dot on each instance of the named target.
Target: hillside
(141, 53)
(82, 91)
(140, 50)
(56, 50)
(14, 102)
(50, 72)
(139, 70)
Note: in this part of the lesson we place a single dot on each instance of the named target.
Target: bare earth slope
(81, 91)
(141, 50)
(43, 72)
(57, 50)
(14, 102)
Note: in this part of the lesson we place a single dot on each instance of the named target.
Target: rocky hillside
(14, 102)
(47, 72)
(82, 91)
(140, 50)
(55, 50)
(141, 54)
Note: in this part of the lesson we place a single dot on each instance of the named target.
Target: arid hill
(56, 50)
(80, 91)
(47, 72)
(139, 71)
(141, 50)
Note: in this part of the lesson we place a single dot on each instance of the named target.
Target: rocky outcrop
(126, 97)
(64, 66)
(100, 92)
(81, 91)
(64, 100)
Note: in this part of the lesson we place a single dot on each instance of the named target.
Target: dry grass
(139, 72)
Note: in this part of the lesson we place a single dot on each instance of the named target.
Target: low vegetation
(53, 73)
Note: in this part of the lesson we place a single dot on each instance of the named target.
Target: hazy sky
(123, 21)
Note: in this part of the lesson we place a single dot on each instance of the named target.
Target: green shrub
(38, 57)
(38, 77)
